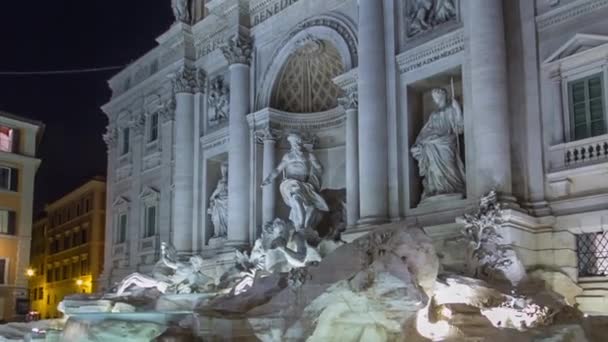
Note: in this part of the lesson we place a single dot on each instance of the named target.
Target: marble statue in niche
(218, 205)
(424, 15)
(437, 148)
(181, 10)
(301, 184)
(219, 100)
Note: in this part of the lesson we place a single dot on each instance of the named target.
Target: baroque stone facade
(524, 84)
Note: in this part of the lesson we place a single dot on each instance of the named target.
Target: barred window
(592, 250)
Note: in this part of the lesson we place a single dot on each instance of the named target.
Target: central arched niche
(304, 83)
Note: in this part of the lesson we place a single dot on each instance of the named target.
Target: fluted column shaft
(490, 107)
(238, 53)
(373, 154)
(558, 103)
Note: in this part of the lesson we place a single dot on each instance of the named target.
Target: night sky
(67, 34)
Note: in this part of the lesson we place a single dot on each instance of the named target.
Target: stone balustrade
(578, 153)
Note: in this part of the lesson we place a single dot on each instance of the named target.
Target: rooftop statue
(437, 148)
(181, 10)
(301, 184)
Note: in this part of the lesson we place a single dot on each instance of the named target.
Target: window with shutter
(3, 271)
(587, 116)
(8, 222)
(125, 140)
(153, 134)
(150, 229)
(122, 228)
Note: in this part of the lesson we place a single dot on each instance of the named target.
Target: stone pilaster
(268, 137)
(558, 107)
(490, 107)
(350, 102)
(373, 154)
(111, 140)
(238, 53)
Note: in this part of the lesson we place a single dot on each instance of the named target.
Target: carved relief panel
(424, 16)
(218, 101)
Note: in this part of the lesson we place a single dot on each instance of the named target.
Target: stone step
(593, 304)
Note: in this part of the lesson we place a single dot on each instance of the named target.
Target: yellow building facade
(70, 241)
(19, 138)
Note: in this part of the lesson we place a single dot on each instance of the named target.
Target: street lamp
(79, 282)
(30, 272)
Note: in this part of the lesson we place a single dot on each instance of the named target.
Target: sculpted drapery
(218, 205)
(437, 149)
(301, 184)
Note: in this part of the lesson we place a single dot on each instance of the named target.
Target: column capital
(350, 100)
(238, 50)
(110, 137)
(267, 134)
(189, 80)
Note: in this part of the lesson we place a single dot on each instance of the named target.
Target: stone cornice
(155, 82)
(296, 121)
(568, 12)
(348, 81)
(214, 139)
(432, 51)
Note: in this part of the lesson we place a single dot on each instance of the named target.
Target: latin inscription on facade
(271, 9)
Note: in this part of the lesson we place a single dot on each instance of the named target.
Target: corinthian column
(373, 152)
(490, 107)
(238, 53)
(350, 102)
(185, 84)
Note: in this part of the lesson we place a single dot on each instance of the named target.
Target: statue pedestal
(217, 242)
(431, 201)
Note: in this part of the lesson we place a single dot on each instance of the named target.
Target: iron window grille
(592, 252)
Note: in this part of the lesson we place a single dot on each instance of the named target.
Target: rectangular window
(125, 140)
(49, 275)
(8, 178)
(57, 273)
(8, 222)
(592, 252)
(3, 271)
(150, 221)
(67, 242)
(122, 228)
(75, 268)
(6, 139)
(84, 267)
(40, 293)
(153, 134)
(66, 272)
(84, 238)
(587, 117)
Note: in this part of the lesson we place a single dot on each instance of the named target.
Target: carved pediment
(580, 43)
(149, 194)
(121, 202)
